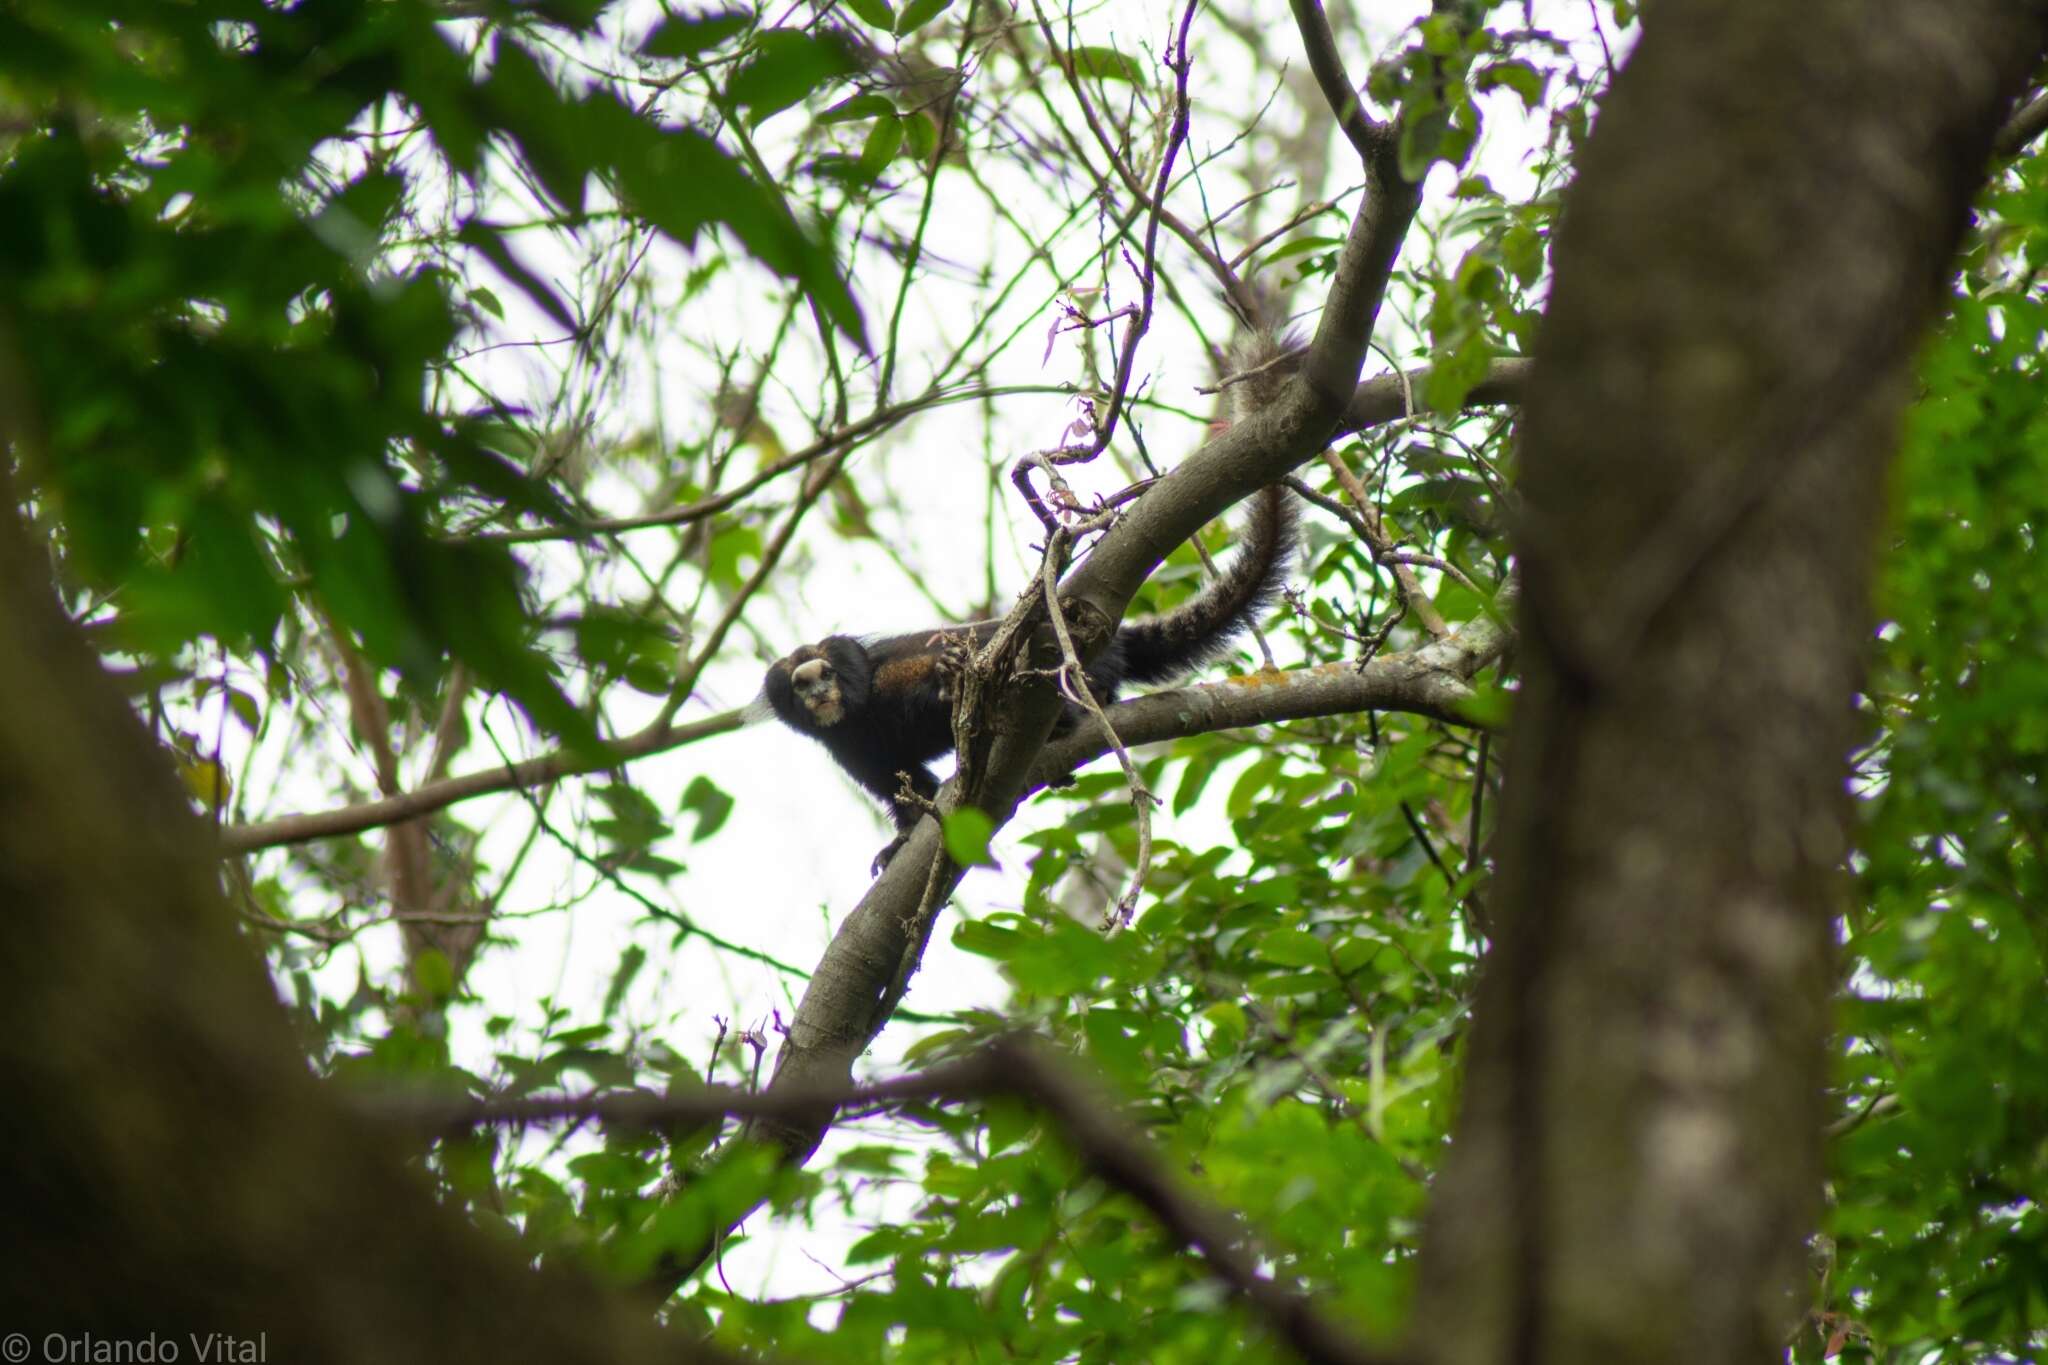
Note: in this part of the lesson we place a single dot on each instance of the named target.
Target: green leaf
(923, 132)
(918, 13)
(630, 963)
(635, 821)
(786, 66)
(882, 145)
(878, 1245)
(687, 36)
(544, 125)
(1294, 948)
(1518, 76)
(1301, 246)
(433, 974)
(858, 107)
(1228, 1026)
(486, 239)
(615, 1171)
(870, 1160)
(239, 704)
(628, 644)
(986, 939)
(1490, 705)
(1009, 1124)
(1194, 779)
(1114, 1037)
(1521, 248)
(1244, 793)
(967, 835)
(1054, 960)
(579, 16)
(682, 179)
(1107, 64)
(874, 13)
(710, 805)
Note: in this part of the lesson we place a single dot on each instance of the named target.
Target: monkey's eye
(811, 673)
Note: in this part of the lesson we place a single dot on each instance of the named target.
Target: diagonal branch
(1339, 89)
(1109, 1144)
(2028, 123)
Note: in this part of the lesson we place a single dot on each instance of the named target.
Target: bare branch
(1338, 88)
(532, 772)
(841, 437)
(863, 959)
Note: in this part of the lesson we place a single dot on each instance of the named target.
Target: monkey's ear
(758, 710)
(847, 655)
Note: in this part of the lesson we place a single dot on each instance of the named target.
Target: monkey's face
(817, 691)
(818, 686)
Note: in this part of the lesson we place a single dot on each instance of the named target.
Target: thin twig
(1375, 533)
(1074, 682)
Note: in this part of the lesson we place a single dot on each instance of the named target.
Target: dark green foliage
(224, 387)
(1938, 1239)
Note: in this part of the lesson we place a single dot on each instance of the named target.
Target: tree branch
(184, 1170)
(1109, 1144)
(532, 772)
(1337, 87)
(1384, 398)
(1431, 681)
(2023, 127)
(1637, 1162)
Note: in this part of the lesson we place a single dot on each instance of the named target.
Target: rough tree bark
(1764, 216)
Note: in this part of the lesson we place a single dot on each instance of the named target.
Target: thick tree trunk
(1755, 245)
(171, 1169)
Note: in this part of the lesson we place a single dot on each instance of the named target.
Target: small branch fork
(1073, 681)
(1364, 518)
(1181, 64)
(1018, 1066)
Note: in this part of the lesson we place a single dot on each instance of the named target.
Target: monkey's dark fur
(883, 708)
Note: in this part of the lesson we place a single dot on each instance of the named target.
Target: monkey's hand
(955, 657)
(910, 802)
(889, 851)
